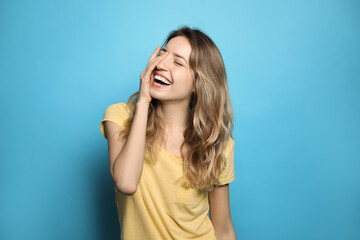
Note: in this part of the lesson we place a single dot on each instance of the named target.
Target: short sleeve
(116, 113)
(227, 175)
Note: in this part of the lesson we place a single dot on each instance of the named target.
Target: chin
(156, 95)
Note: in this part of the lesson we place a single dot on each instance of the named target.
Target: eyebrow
(177, 55)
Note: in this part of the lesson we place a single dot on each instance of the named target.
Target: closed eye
(178, 63)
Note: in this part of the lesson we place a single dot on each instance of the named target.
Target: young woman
(171, 153)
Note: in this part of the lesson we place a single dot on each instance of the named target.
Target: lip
(157, 85)
(157, 73)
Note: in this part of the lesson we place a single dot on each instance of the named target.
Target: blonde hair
(210, 118)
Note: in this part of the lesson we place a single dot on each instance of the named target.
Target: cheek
(185, 77)
(183, 80)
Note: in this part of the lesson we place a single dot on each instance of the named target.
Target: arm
(126, 156)
(220, 213)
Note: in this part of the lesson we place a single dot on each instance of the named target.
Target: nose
(163, 63)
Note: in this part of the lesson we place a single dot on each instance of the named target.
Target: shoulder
(121, 108)
(230, 141)
(229, 145)
(117, 113)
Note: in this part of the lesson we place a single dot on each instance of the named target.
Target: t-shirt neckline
(169, 154)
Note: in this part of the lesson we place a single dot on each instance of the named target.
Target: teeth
(162, 79)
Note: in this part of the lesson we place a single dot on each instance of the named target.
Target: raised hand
(146, 77)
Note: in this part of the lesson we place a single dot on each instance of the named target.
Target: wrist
(142, 104)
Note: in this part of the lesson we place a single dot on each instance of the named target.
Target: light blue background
(293, 70)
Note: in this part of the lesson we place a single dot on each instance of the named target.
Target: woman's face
(173, 79)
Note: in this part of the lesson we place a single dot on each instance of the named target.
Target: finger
(151, 64)
(150, 67)
(157, 59)
(154, 54)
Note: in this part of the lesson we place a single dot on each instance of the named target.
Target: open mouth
(161, 80)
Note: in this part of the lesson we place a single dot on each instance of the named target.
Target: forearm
(127, 168)
(228, 234)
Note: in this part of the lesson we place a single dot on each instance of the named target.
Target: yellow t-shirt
(162, 208)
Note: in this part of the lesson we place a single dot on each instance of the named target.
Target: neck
(174, 115)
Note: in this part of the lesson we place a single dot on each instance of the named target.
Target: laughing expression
(173, 79)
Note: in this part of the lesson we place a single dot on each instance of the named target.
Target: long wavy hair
(210, 118)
